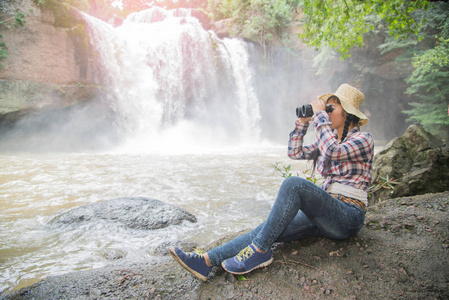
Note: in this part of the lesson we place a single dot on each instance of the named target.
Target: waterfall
(168, 79)
(236, 55)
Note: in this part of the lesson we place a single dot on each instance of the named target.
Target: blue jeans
(301, 210)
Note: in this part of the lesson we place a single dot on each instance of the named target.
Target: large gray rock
(135, 213)
(418, 161)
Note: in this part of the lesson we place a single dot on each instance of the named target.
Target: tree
(268, 20)
(262, 21)
(419, 27)
(340, 24)
(430, 78)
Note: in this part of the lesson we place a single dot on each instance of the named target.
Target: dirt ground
(401, 253)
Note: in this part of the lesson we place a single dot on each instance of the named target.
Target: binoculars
(307, 111)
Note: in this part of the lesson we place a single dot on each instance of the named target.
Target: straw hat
(350, 99)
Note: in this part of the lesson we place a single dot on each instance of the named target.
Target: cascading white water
(237, 57)
(169, 79)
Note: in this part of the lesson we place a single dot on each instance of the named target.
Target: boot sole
(265, 264)
(193, 272)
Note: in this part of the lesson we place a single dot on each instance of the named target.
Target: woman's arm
(296, 150)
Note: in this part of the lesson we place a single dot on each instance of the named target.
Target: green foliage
(241, 278)
(222, 9)
(19, 19)
(383, 183)
(430, 78)
(3, 51)
(267, 21)
(340, 24)
(286, 171)
(262, 21)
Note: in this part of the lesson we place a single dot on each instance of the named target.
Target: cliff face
(47, 66)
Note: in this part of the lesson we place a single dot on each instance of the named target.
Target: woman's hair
(350, 119)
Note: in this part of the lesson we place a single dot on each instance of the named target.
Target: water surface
(226, 190)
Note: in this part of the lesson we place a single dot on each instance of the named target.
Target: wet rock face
(48, 66)
(418, 161)
(135, 213)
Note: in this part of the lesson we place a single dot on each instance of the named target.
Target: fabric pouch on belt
(348, 191)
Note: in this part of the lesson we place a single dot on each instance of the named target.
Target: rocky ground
(401, 253)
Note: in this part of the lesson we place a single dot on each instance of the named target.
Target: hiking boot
(192, 262)
(247, 260)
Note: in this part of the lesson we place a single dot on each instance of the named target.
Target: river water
(227, 190)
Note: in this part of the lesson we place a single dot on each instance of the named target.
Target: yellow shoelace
(194, 255)
(245, 253)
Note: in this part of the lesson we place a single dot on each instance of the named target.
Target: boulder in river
(132, 212)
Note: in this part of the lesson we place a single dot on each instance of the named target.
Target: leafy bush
(262, 21)
(286, 171)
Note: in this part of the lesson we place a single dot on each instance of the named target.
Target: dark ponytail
(349, 119)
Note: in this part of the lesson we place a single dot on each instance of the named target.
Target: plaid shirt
(351, 161)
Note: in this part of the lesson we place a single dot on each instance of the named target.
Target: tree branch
(347, 9)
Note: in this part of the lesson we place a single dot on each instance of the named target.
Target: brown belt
(349, 200)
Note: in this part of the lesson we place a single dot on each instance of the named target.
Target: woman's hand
(318, 105)
(304, 120)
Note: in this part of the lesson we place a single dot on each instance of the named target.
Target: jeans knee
(292, 182)
(292, 189)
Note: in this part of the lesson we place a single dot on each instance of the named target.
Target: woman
(342, 154)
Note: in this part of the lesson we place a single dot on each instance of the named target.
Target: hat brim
(349, 108)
